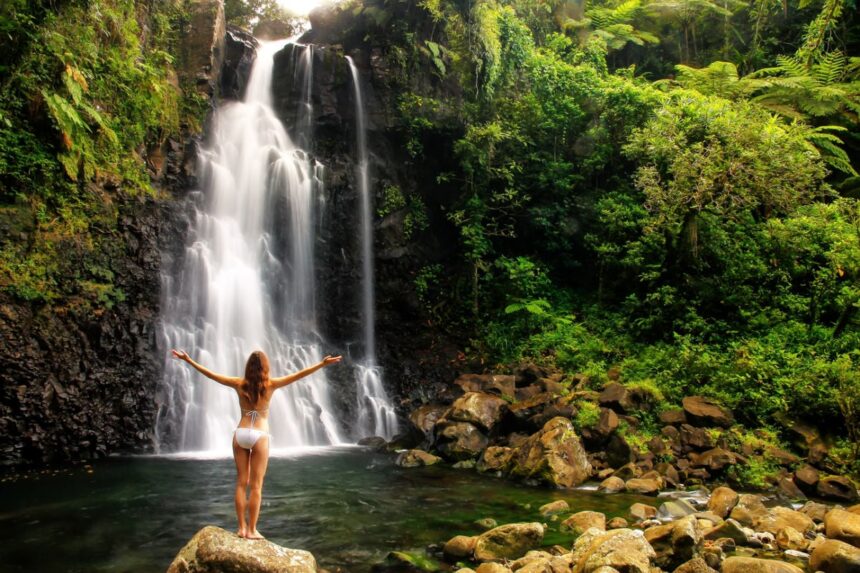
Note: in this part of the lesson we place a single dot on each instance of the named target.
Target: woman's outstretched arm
(284, 380)
(230, 381)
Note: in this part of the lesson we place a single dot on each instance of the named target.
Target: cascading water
(240, 290)
(376, 415)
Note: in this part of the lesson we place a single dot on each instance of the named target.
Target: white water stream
(376, 416)
(237, 292)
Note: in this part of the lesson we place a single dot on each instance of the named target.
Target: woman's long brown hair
(256, 376)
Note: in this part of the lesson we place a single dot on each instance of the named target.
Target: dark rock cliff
(78, 382)
(416, 357)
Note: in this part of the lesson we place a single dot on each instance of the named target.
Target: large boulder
(843, 525)
(675, 543)
(833, 556)
(499, 384)
(729, 529)
(693, 438)
(806, 479)
(491, 567)
(788, 538)
(703, 412)
(214, 550)
(715, 459)
(553, 455)
(620, 549)
(526, 411)
(815, 511)
(584, 520)
(618, 451)
(478, 408)
(424, 418)
(597, 435)
(675, 509)
(752, 565)
(623, 399)
(837, 488)
(780, 517)
(645, 485)
(459, 440)
(749, 509)
(695, 565)
(722, 501)
(508, 541)
(612, 484)
(459, 547)
(495, 459)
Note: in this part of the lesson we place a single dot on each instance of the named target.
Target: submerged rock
(416, 458)
(752, 565)
(213, 550)
(554, 507)
(404, 562)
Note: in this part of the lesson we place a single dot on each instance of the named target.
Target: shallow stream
(347, 506)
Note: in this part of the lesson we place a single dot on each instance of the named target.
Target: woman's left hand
(331, 360)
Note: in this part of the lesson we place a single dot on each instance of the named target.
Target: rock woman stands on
(251, 438)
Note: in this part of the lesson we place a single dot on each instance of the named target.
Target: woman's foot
(243, 532)
(254, 535)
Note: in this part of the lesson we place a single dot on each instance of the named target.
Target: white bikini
(247, 437)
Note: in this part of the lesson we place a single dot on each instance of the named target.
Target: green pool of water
(347, 506)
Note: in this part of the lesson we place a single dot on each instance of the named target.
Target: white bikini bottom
(247, 437)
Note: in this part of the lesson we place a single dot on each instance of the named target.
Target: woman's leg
(259, 463)
(243, 473)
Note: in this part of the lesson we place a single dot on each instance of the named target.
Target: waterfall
(248, 276)
(376, 415)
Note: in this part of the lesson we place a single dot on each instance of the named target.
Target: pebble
(797, 554)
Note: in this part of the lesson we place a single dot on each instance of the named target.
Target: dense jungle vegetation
(665, 190)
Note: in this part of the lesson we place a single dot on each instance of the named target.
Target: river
(349, 507)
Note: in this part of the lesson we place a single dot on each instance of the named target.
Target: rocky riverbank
(727, 532)
(537, 426)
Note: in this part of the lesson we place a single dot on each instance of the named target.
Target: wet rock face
(416, 361)
(202, 46)
(240, 51)
(77, 383)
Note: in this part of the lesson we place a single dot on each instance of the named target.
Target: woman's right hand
(331, 360)
(180, 355)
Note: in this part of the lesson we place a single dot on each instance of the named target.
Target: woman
(251, 438)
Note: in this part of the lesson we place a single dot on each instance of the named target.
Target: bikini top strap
(254, 414)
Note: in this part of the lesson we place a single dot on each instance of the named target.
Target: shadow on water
(347, 506)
